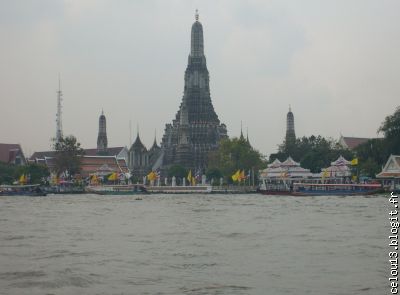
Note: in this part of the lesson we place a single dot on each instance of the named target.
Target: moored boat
(32, 190)
(119, 189)
(332, 189)
(279, 187)
(180, 189)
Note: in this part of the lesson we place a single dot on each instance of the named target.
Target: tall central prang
(196, 129)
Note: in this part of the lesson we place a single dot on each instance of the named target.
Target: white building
(391, 173)
(287, 169)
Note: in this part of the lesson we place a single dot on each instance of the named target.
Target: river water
(194, 244)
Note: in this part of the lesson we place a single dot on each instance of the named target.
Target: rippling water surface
(193, 244)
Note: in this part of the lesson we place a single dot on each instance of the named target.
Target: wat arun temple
(196, 129)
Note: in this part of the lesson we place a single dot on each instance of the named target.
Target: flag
(325, 174)
(354, 162)
(151, 176)
(94, 179)
(113, 176)
(242, 176)
(198, 175)
(22, 179)
(189, 177)
(235, 177)
(55, 180)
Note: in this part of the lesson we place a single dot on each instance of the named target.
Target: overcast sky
(336, 62)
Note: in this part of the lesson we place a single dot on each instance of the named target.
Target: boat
(119, 189)
(234, 189)
(65, 188)
(335, 189)
(32, 190)
(284, 187)
(281, 187)
(190, 189)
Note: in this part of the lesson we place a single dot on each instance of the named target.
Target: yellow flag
(54, 180)
(113, 176)
(151, 176)
(354, 162)
(189, 177)
(22, 179)
(235, 177)
(325, 174)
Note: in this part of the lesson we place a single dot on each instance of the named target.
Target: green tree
(10, 173)
(391, 129)
(233, 154)
(213, 173)
(7, 173)
(68, 155)
(369, 167)
(177, 171)
(371, 156)
(314, 152)
(36, 172)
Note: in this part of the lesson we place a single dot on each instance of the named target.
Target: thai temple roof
(111, 151)
(9, 151)
(340, 161)
(42, 155)
(338, 168)
(352, 142)
(100, 165)
(155, 145)
(290, 162)
(391, 168)
(138, 143)
(276, 163)
(288, 168)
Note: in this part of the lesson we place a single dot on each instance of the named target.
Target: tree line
(313, 152)
(316, 152)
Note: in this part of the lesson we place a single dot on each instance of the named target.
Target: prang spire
(290, 133)
(241, 131)
(102, 142)
(196, 129)
(197, 42)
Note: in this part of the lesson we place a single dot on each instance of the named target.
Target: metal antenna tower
(58, 115)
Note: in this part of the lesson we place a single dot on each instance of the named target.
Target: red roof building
(115, 161)
(12, 154)
(103, 165)
(99, 165)
(352, 142)
(119, 152)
